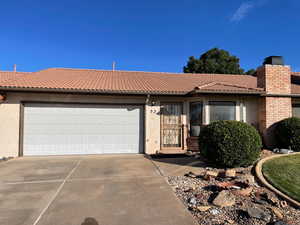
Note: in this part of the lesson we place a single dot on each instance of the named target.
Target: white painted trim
(237, 110)
(244, 112)
(205, 112)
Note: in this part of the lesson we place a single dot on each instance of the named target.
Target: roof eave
(226, 92)
(88, 91)
(280, 95)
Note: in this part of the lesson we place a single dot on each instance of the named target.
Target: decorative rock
(214, 211)
(190, 174)
(193, 201)
(212, 173)
(277, 213)
(272, 200)
(226, 185)
(282, 151)
(259, 214)
(283, 204)
(199, 196)
(224, 199)
(279, 223)
(238, 188)
(187, 189)
(243, 192)
(230, 221)
(249, 179)
(261, 202)
(203, 208)
(207, 178)
(230, 173)
(268, 198)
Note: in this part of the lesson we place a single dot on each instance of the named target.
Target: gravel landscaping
(218, 198)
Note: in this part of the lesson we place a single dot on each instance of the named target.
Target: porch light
(2, 98)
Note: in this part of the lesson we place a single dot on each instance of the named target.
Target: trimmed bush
(230, 143)
(287, 133)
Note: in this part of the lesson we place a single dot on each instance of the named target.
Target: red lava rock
(243, 192)
(257, 194)
(238, 187)
(199, 196)
(225, 185)
(206, 191)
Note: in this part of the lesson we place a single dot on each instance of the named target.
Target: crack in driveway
(56, 193)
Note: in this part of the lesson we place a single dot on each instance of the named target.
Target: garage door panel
(78, 129)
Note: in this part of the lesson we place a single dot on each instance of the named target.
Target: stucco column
(152, 128)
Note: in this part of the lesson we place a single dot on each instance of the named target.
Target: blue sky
(145, 35)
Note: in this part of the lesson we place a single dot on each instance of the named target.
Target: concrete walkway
(87, 190)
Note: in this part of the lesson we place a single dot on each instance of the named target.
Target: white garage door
(56, 129)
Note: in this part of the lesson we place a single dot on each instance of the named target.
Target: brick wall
(274, 109)
(276, 80)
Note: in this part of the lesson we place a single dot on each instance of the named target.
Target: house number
(153, 111)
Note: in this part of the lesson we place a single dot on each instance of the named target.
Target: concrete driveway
(87, 190)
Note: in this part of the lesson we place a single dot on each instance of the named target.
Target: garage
(69, 129)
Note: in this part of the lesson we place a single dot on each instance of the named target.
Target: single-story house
(85, 111)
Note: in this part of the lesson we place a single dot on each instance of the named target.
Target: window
(196, 109)
(296, 110)
(221, 110)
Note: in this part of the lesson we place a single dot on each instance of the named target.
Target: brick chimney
(275, 78)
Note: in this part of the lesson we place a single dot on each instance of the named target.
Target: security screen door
(171, 126)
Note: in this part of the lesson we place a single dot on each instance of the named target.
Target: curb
(260, 176)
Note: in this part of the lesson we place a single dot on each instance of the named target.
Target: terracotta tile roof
(8, 75)
(131, 82)
(125, 81)
(226, 87)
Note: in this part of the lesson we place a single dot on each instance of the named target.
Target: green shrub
(230, 143)
(287, 133)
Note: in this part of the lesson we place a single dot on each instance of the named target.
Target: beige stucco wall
(10, 114)
(9, 129)
(152, 128)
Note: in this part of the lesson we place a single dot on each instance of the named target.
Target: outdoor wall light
(2, 98)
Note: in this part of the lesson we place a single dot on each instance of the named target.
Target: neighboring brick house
(74, 111)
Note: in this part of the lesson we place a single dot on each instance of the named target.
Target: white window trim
(206, 108)
(237, 108)
(205, 112)
(243, 111)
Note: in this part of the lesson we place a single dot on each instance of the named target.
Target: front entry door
(171, 126)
